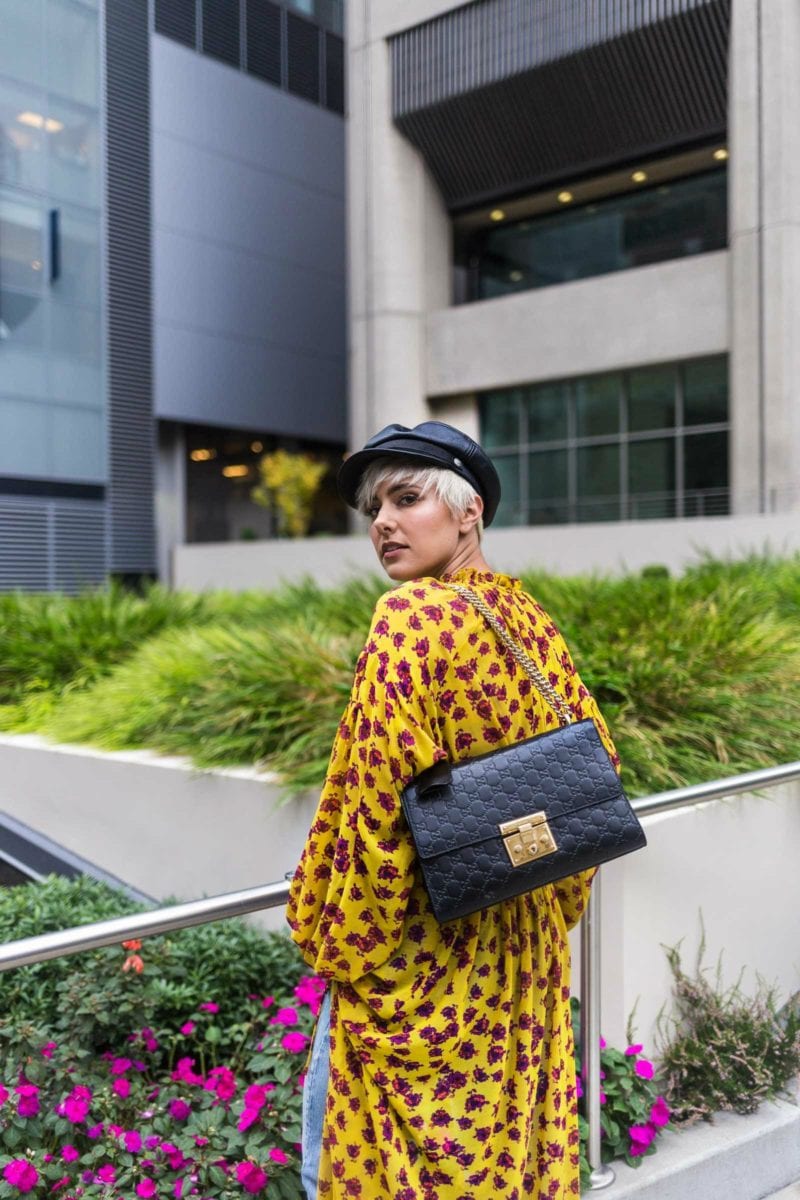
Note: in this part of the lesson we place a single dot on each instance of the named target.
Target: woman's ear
(471, 515)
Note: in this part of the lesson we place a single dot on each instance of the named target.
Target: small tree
(289, 484)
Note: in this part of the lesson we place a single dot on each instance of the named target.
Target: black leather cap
(433, 443)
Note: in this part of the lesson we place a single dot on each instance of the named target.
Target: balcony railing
(236, 904)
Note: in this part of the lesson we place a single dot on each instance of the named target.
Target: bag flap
(560, 773)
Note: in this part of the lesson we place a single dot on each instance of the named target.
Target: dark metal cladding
(504, 96)
(131, 427)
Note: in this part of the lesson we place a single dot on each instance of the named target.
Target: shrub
(632, 1114)
(723, 1050)
(86, 998)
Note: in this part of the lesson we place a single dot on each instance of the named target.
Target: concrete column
(764, 141)
(170, 504)
(399, 242)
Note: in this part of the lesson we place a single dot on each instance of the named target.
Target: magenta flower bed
(159, 1116)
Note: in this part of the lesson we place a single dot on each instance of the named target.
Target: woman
(442, 1066)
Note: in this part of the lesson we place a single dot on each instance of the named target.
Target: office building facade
(171, 272)
(574, 231)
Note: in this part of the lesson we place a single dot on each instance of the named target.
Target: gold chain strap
(529, 667)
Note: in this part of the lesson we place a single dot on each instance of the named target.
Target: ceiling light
(497, 214)
(639, 176)
(202, 455)
(31, 118)
(565, 197)
(256, 447)
(53, 126)
(36, 263)
(515, 276)
(235, 472)
(721, 154)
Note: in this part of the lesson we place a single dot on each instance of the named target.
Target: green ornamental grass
(697, 675)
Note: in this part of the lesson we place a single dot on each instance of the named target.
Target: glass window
(76, 332)
(547, 412)
(705, 474)
(74, 158)
(509, 511)
(686, 216)
(22, 136)
(548, 487)
(72, 51)
(501, 412)
(598, 483)
(22, 258)
(651, 398)
(23, 446)
(22, 40)
(651, 478)
(80, 278)
(597, 405)
(78, 446)
(705, 391)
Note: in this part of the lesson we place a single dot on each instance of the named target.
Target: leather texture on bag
(454, 810)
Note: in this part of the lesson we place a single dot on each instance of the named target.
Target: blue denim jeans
(315, 1089)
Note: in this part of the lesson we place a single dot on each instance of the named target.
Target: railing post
(602, 1175)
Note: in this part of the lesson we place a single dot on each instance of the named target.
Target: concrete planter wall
(168, 829)
(569, 549)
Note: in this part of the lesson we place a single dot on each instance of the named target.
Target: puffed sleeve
(349, 895)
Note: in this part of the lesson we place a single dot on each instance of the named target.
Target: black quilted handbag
(506, 822)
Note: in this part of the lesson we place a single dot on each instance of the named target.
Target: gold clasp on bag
(527, 838)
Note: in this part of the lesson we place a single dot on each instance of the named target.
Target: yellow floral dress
(452, 1074)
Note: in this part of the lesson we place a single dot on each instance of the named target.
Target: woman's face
(414, 533)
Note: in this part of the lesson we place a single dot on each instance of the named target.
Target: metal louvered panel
(177, 19)
(79, 545)
(264, 40)
(334, 73)
(131, 427)
(51, 543)
(220, 30)
(503, 96)
(303, 57)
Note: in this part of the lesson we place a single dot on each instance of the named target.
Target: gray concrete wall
(568, 549)
(248, 251)
(167, 829)
(670, 311)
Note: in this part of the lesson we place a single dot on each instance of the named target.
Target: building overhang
(507, 96)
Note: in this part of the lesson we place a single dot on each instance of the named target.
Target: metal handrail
(236, 904)
(752, 781)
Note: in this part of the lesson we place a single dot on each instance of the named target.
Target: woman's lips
(392, 549)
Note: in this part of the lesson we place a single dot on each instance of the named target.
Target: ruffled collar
(471, 576)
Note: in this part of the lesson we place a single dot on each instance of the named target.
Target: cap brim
(352, 469)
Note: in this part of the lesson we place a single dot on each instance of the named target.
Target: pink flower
(278, 1156)
(76, 1106)
(152, 1142)
(120, 1065)
(148, 1038)
(146, 1188)
(256, 1095)
(173, 1155)
(179, 1110)
(106, 1173)
(644, 1068)
(122, 1087)
(133, 1141)
(48, 1048)
(222, 1081)
(251, 1177)
(268, 1002)
(294, 1042)
(310, 991)
(69, 1153)
(634, 1049)
(285, 1016)
(176, 1191)
(4, 1094)
(185, 1073)
(659, 1113)
(28, 1103)
(602, 1043)
(200, 1141)
(641, 1136)
(248, 1118)
(209, 1006)
(580, 1087)
(187, 1028)
(62, 1182)
(95, 1132)
(21, 1174)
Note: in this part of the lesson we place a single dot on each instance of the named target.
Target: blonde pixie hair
(454, 491)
